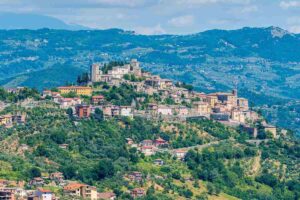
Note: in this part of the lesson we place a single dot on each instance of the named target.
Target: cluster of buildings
(227, 108)
(12, 190)
(9, 120)
(151, 147)
(148, 147)
(182, 104)
(217, 106)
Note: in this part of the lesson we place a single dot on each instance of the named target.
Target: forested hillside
(97, 153)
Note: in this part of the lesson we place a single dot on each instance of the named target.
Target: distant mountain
(263, 62)
(34, 21)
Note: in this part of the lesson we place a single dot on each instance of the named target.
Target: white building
(148, 150)
(68, 102)
(164, 110)
(44, 194)
(119, 71)
(126, 111)
(180, 153)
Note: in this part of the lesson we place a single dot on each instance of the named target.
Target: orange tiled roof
(44, 190)
(73, 186)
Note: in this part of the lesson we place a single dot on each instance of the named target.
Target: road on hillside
(200, 147)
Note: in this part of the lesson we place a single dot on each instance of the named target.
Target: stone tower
(95, 73)
(135, 67)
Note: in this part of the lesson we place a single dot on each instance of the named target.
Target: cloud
(218, 21)
(289, 4)
(182, 21)
(249, 9)
(293, 20)
(294, 29)
(207, 2)
(293, 24)
(156, 30)
(84, 3)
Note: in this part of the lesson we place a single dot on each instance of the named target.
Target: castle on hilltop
(117, 72)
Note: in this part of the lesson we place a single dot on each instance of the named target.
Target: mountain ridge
(265, 68)
(15, 21)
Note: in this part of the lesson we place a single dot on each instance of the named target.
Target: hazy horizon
(163, 16)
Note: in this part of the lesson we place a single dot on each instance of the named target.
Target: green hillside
(97, 154)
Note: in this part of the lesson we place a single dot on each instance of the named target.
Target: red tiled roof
(105, 195)
(44, 190)
(138, 189)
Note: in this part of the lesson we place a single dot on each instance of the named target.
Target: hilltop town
(121, 95)
(170, 101)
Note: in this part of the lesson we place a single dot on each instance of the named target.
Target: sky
(165, 16)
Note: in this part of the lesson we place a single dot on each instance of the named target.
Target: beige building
(79, 90)
(201, 108)
(164, 110)
(81, 190)
(119, 71)
(135, 67)
(181, 110)
(237, 115)
(6, 120)
(212, 99)
(271, 129)
(243, 104)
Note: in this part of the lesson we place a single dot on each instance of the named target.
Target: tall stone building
(135, 67)
(95, 72)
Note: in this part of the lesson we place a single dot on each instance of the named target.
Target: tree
(70, 112)
(188, 193)
(42, 151)
(105, 169)
(58, 137)
(268, 179)
(34, 172)
(176, 175)
(212, 190)
(69, 171)
(98, 114)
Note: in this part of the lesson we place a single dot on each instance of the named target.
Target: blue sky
(165, 16)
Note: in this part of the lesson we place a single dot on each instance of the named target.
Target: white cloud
(156, 30)
(293, 20)
(289, 4)
(295, 29)
(205, 2)
(219, 21)
(182, 21)
(249, 9)
(82, 3)
(294, 24)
